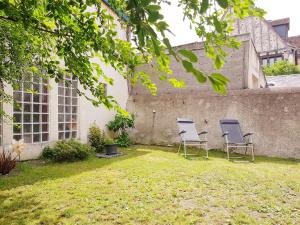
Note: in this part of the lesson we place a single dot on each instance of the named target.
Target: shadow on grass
(217, 153)
(31, 172)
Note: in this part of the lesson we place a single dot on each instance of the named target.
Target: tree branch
(38, 28)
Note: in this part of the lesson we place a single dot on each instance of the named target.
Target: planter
(111, 149)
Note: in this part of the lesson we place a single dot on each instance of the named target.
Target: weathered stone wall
(241, 66)
(272, 114)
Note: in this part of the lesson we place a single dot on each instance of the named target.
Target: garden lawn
(153, 185)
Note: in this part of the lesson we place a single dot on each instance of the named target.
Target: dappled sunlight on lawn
(153, 185)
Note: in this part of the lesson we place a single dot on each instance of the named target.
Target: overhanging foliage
(65, 37)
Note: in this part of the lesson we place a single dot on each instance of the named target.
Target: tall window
(67, 108)
(31, 111)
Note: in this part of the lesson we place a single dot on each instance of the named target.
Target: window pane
(74, 101)
(27, 107)
(36, 128)
(27, 138)
(17, 128)
(74, 109)
(45, 127)
(67, 135)
(36, 118)
(67, 109)
(27, 128)
(60, 91)
(45, 108)
(27, 118)
(74, 134)
(45, 98)
(36, 108)
(60, 109)
(68, 118)
(61, 135)
(44, 118)
(36, 88)
(18, 118)
(36, 98)
(36, 138)
(27, 97)
(45, 137)
(68, 126)
(68, 91)
(18, 96)
(60, 127)
(68, 101)
(60, 100)
(60, 117)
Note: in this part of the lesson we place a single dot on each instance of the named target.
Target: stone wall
(242, 67)
(272, 114)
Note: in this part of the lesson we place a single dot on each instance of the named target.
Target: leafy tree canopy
(57, 38)
(281, 68)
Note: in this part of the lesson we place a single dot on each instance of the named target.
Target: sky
(276, 9)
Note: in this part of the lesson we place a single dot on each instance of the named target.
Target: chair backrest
(233, 128)
(189, 127)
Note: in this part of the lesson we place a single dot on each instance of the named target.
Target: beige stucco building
(58, 112)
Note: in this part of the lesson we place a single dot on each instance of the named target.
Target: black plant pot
(111, 149)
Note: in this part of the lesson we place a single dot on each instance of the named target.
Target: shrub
(281, 68)
(67, 151)
(7, 162)
(96, 138)
(109, 141)
(120, 124)
(123, 140)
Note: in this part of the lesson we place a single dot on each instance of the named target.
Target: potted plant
(110, 147)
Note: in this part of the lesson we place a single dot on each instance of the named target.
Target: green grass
(153, 185)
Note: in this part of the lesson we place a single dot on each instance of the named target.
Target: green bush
(109, 141)
(281, 68)
(67, 151)
(120, 124)
(96, 138)
(123, 140)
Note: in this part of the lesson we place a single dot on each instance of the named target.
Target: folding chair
(234, 138)
(190, 137)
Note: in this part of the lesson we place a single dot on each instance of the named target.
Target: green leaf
(204, 6)
(220, 78)
(223, 3)
(217, 24)
(188, 66)
(153, 7)
(199, 76)
(218, 62)
(188, 54)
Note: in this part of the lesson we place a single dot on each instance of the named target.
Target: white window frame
(35, 108)
(68, 102)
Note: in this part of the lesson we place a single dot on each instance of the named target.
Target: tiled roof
(280, 22)
(284, 80)
(295, 40)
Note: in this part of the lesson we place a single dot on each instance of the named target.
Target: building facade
(57, 113)
(242, 67)
(270, 38)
